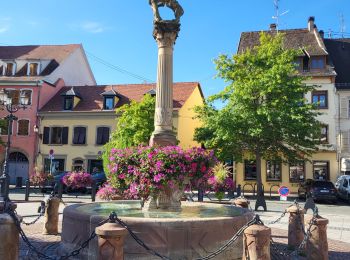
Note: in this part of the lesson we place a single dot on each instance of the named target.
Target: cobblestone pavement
(338, 250)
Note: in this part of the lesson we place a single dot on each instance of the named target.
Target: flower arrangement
(77, 180)
(107, 192)
(221, 180)
(141, 171)
(39, 177)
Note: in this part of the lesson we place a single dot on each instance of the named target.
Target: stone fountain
(191, 231)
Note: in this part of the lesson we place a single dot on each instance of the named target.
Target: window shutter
(344, 107)
(76, 135)
(105, 135)
(46, 137)
(99, 135)
(65, 135)
(82, 133)
(345, 141)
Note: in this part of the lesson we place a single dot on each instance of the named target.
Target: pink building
(37, 73)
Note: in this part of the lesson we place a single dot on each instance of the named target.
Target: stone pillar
(317, 245)
(256, 243)
(165, 33)
(241, 202)
(295, 230)
(9, 245)
(111, 241)
(51, 216)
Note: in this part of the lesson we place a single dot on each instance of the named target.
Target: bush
(77, 180)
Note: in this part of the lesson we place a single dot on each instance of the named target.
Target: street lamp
(6, 104)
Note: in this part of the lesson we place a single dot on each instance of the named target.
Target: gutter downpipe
(339, 147)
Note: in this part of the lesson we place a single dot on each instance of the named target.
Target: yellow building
(314, 63)
(78, 121)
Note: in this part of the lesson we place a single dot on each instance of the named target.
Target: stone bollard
(9, 246)
(317, 245)
(111, 241)
(51, 216)
(295, 226)
(241, 202)
(256, 243)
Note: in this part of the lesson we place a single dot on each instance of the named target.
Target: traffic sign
(283, 191)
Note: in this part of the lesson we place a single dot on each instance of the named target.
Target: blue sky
(120, 31)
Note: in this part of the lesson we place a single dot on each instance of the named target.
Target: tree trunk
(260, 199)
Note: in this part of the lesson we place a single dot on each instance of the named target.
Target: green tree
(135, 124)
(265, 114)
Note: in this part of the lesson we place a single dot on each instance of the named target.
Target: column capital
(166, 33)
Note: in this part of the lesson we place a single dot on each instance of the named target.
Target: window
(9, 69)
(317, 63)
(306, 63)
(298, 64)
(4, 127)
(95, 166)
(55, 135)
(33, 69)
(273, 171)
(13, 96)
(78, 165)
(68, 103)
(345, 183)
(79, 136)
(26, 94)
(324, 134)
(297, 172)
(102, 135)
(23, 127)
(320, 99)
(108, 103)
(321, 170)
(56, 166)
(249, 170)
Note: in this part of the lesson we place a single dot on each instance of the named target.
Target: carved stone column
(165, 33)
(256, 243)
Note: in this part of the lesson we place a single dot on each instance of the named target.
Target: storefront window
(321, 170)
(56, 166)
(249, 170)
(273, 171)
(297, 172)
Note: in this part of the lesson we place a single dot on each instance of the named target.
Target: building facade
(36, 73)
(78, 121)
(315, 63)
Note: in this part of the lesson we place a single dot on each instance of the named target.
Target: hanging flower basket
(76, 180)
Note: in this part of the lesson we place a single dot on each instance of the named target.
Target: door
(18, 166)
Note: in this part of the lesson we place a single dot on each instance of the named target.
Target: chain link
(42, 255)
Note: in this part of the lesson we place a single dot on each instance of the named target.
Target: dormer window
(33, 69)
(68, 103)
(151, 92)
(108, 103)
(317, 63)
(9, 69)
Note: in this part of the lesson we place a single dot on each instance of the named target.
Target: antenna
(342, 25)
(277, 15)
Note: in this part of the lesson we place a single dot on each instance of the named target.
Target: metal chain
(32, 222)
(283, 214)
(42, 255)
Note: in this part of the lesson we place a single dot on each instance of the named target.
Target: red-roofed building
(78, 121)
(36, 72)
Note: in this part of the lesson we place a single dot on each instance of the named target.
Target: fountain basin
(197, 230)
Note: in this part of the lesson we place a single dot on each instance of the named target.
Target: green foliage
(134, 126)
(265, 112)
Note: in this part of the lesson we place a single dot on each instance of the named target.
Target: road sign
(283, 191)
(51, 154)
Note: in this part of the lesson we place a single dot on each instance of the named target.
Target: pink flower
(194, 167)
(121, 176)
(203, 169)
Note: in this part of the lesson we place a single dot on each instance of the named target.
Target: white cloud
(92, 27)
(4, 28)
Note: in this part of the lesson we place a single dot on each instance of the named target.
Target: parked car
(318, 190)
(343, 187)
(99, 178)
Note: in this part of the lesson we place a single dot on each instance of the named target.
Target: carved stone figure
(172, 4)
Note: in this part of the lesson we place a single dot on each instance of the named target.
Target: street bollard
(256, 243)
(317, 244)
(9, 246)
(239, 190)
(111, 241)
(241, 202)
(26, 196)
(51, 216)
(295, 226)
(93, 191)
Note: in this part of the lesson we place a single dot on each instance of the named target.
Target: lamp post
(6, 104)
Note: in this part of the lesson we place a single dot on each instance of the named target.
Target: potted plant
(77, 180)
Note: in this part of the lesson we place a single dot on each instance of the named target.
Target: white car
(343, 186)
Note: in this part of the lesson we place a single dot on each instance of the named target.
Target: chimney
(273, 27)
(311, 23)
(321, 32)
